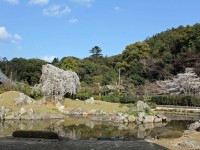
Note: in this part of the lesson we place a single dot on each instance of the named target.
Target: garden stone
(194, 126)
(190, 144)
(22, 111)
(148, 119)
(142, 106)
(131, 118)
(141, 114)
(90, 101)
(60, 107)
(23, 99)
(156, 119)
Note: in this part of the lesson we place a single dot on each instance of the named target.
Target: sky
(59, 28)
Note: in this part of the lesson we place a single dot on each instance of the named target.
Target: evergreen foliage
(157, 58)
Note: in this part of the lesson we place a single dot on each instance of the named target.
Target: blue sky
(59, 28)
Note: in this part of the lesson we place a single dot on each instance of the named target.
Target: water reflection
(83, 128)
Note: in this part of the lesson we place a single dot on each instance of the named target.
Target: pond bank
(189, 136)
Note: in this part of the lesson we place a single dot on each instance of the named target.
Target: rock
(22, 111)
(125, 115)
(125, 120)
(30, 111)
(92, 112)
(66, 112)
(148, 119)
(90, 101)
(2, 112)
(8, 110)
(106, 118)
(10, 117)
(141, 115)
(194, 126)
(190, 144)
(139, 120)
(118, 119)
(142, 106)
(156, 119)
(57, 116)
(25, 117)
(97, 118)
(119, 114)
(15, 114)
(36, 117)
(131, 118)
(23, 99)
(134, 108)
(57, 81)
(85, 114)
(60, 107)
(164, 119)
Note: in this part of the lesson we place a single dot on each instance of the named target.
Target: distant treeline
(158, 57)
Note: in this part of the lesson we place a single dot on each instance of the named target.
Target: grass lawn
(7, 100)
(101, 105)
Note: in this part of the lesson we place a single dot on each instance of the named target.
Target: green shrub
(24, 88)
(152, 104)
(181, 100)
(110, 98)
(36, 94)
(128, 99)
(82, 96)
(97, 97)
(170, 135)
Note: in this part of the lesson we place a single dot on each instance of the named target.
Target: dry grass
(173, 143)
(101, 105)
(7, 100)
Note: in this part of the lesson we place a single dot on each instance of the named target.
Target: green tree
(136, 52)
(55, 61)
(96, 51)
(69, 63)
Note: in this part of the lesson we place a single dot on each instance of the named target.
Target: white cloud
(39, 2)
(83, 2)
(13, 1)
(5, 36)
(116, 8)
(17, 37)
(56, 10)
(73, 20)
(48, 58)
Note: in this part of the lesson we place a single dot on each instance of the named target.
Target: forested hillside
(158, 57)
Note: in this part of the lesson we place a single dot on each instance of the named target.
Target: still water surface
(83, 128)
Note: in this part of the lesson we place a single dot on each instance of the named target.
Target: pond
(83, 128)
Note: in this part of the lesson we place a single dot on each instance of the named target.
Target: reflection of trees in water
(91, 129)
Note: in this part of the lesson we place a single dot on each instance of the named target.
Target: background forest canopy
(156, 58)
